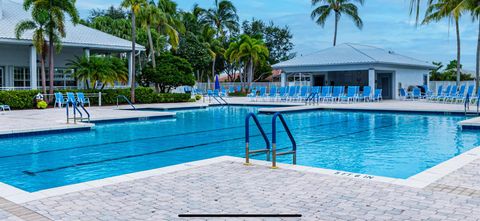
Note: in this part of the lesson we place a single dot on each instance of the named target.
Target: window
(1, 77)
(21, 77)
(63, 77)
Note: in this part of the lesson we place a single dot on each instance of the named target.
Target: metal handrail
(466, 105)
(86, 112)
(75, 110)
(125, 98)
(247, 138)
(274, 140)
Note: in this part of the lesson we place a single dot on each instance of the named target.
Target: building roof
(77, 36)
(353, 54)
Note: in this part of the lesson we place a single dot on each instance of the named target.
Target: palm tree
(339, 7)
(38, 25)
(134, 6)
(170, 23)
(55, 25)
(447, 9)
(149, 16)
(250, 52)
(223, 17)
(213, 45)
(96, 69)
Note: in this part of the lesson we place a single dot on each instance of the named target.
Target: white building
(356, 65)
(19, 62)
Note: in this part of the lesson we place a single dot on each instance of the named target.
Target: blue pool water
(387, 144)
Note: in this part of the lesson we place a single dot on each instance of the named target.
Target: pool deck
(449, 191)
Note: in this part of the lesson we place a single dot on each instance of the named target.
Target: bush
(25, 99)
(198, 97)
(238, 94)
(42, 105)
(192, 100)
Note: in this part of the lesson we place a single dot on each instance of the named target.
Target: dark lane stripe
(33, 173)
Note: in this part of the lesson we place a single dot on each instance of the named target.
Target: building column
(33, 68)
(283, 79)
(371, 78)
(130, 67)
(86, 53)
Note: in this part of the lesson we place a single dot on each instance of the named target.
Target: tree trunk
(51, 68)
(337, 18)
(458, 51)
(213, 67)
(152, 49)
(43, 75)
(250, 73)
(477, 75)
(132, 86)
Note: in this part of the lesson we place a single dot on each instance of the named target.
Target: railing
(75, 110)
(274, 140)
(247, 139)
(126, 99)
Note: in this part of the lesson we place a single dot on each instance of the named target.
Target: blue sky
(387, 24)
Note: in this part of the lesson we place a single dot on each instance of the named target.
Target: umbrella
(217, 83)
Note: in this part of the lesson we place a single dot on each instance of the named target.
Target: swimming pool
(395, 145)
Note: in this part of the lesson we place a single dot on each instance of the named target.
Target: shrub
(42, 105)
(192, 100)
(25, 99)
(198, 97)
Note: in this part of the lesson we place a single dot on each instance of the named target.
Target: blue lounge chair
(351, 94)
(263, 93)
(326, 92)
(469, 94)
(231, 90)
(403, 94)
(434, 97)
(416, 93)
(451, 95)
(335, 95)
(59, 100)
(444, 94)
(82, 99)
(282, 94)
(292, 93)
(377, 96)
(273, 93)
(460, 95)
(252, 95)
(303, 95)
(366, 95)
(427, 92)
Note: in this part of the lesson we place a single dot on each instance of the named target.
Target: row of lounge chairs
(316, 94)
(61, 101)
(452, 94)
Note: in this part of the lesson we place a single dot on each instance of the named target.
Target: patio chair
(444, 94)
(263, 93)
(439, 93)
(282, 94)
(252, 95)
(451, 95)
(82, 99)
(326, 91)
(223, 93)
(303, 93)
(416, 93)
(335, 95)
(350, 96)
(427, 92)
(469, 94)
(460, 95)
(239, 88)
(366, 95)
(377, 96)
(292, 93)
(403, 94)
(272, 94)
(314, 94)
(60, 100)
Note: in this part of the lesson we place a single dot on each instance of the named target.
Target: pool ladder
(75, 108)
(267, 150)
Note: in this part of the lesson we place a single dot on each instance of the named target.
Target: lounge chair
(223, 93)
(460, 95)
(252, 95)
(350, 96)
(82, 99)
(59, 100)
(377, 96)
(427, 92)
(403, 94)
(366, 95)
(416, 93)
(434, 97)
(469, 94)
(303, 93)
(273, 93)
(282, 94)
(326, 92)
(292, 94)
(263, 93)
(335, 95)
(444, 94)
(451, 95)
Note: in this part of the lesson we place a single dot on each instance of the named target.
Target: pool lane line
(33, 173)
(123, 141)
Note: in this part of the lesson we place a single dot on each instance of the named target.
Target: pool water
(386, 144)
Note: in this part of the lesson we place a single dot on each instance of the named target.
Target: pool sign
(354, 175)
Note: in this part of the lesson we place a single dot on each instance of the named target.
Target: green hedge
(25, 99)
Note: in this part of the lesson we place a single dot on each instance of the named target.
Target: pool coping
(420, 180)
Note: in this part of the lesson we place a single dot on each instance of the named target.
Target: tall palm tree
(447, 9)
(39, 39)
(149, 16)
(55, 25)
(170, 23)
(339, 7)
(134, 6)
(250, 52)
(223, 17)
(213, 45)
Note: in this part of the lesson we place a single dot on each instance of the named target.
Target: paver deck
(231, 187)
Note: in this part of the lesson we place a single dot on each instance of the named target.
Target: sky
(387, 24)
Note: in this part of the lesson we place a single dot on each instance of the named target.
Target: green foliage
(192, 100)
(18, 99)
(198, 97)
(171, 71)
(42, 105)
(449, 73)
(194, 51)
(96, 69)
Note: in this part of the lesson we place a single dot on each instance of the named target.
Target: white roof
(350, 54)
(77, 36)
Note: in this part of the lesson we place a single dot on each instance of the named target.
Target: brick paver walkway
(230, 187)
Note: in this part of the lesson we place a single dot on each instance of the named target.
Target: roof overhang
(76, 45)
(349, 67)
